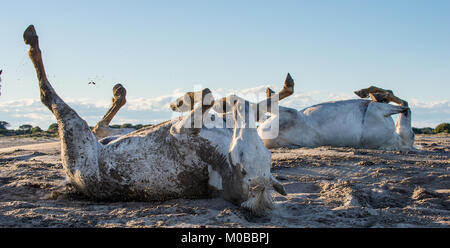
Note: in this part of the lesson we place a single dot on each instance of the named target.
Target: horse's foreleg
(102, 128)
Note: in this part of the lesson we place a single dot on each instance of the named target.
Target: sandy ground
(327, 187)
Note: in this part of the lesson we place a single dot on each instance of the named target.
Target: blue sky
(156, 48)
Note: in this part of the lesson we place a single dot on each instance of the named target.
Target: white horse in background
(357, 123)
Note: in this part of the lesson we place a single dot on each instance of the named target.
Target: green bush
(36, 129)
(5, 132)
(53, 128)
(442, 128)
(126, 125)
(138, 126)
(26, 128)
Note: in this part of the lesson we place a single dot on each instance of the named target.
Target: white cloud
(441, 105)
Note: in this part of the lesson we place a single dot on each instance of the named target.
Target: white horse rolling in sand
(165, 161)
(357, 123)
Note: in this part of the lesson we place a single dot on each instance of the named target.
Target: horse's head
(250, 162)
(239, 163)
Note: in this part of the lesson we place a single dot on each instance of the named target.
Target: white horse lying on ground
(355, 123)
(165, 161)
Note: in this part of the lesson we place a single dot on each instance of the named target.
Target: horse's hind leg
(364, 93)
(79, 147)
(403, 125)
(379, 95)
(266, 105)
(288, 89)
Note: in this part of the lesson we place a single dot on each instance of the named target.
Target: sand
(327, 187)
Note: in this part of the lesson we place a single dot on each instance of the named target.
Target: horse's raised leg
(266, 105)
(188, 100)
(102, 128)
(364, 93)
(379, 95)
(79, 147)
(385, 97)
(403, 125)
(259, 109)
(192, 122)
(288, 89)
(269, 92)
(226, 104)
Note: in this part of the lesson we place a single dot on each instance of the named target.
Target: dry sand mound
(327, 187)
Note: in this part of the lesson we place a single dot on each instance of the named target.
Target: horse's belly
(337, 128)
(340, 133)
(151, 173)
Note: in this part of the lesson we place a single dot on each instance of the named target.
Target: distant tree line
(25, 129)
(28, 130)
(52, 131)
(425, 130)
(128, 125)
(441, 128)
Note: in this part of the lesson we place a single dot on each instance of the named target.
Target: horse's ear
(277, 186)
